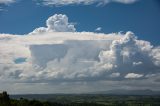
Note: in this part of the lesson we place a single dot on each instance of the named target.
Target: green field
(78, 100)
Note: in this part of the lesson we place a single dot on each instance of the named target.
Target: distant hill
(128, 92)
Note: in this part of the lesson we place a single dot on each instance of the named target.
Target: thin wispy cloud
(7, 2)
(83, 2)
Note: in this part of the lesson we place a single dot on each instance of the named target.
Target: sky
(79, 46)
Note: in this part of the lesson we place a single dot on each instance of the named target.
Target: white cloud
(133, 75)
(156, 56)
(56, 23)
(85, 2)
(125, 1)
(70, 57)
(6, 2)
(137, 63)
(98, 29)
(73, 56)
(129, 55)
(113, 75)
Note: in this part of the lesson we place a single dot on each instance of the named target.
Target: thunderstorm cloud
(57, 53)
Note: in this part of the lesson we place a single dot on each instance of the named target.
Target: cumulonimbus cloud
(56, 56)
(73, 56)
(84, 2)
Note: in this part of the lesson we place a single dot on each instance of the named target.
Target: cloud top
(56, 23)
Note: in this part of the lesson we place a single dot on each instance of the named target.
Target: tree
(4, 99)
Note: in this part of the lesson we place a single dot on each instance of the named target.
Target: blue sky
(141, 17)
(72, 46)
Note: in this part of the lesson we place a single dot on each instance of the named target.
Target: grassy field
(93, 99)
